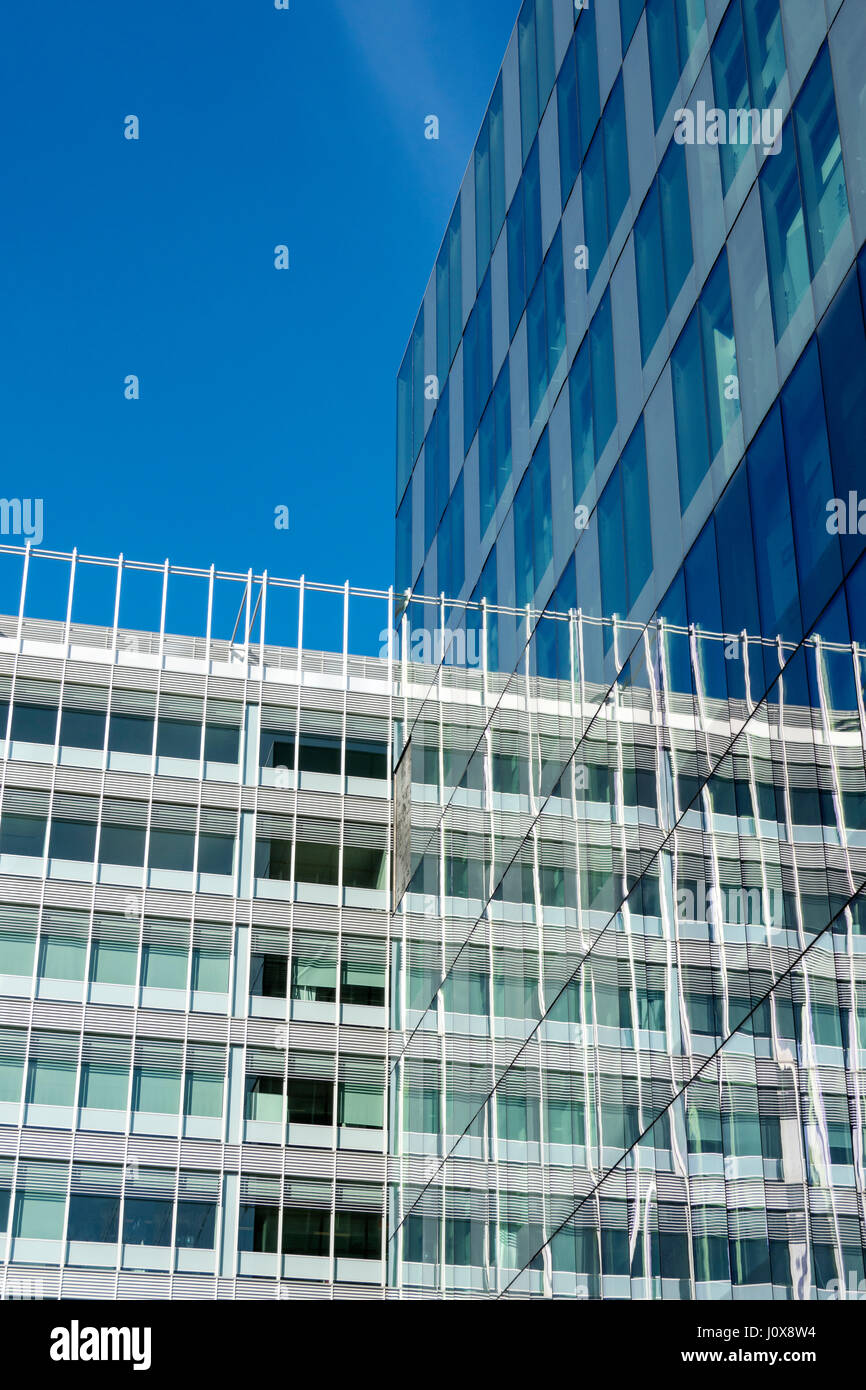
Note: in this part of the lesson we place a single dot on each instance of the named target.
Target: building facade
(193, 939)
(334, 976)
(524, 956)
(629, 422)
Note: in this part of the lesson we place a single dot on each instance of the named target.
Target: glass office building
(630, 422)
(504, 936)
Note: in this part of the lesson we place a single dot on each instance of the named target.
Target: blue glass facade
(672, 720)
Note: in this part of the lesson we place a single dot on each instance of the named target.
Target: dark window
(82, 728)
(221, 743)
(178, 738)
(313, 863)
(196, 1225)
(93, 1218)
(358, 1235)
(34, 723)
(361, 866)
(257, 1229)
(310, 1101)
(171, 849)
(269, 976)
(121, 844)
(216, 854)
(147, 1221)
(130, 733)
(22, 835)
(72, 840)
(319, 755)
(639, 787)
(306, 1232)
(366, 760)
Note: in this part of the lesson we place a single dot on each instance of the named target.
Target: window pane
(615, 157)
(221, 743)
(603, 383)
(582, 440)
(62, 958)
(215, 854)
(51, 1083)
(554, 296)
(818, 555)
(16, 953)
(516, 262)
(594, 205)
(34, 723)
(820, 153)
(763, 25)
(690, 18)
(664, 61)
(156, 1090)
(528, 62)
(586, 54)
(361, 1105)
(542, 542)
(635, 493)
(114, 963)
(203, 1094)
(629, 14)
(93, 1218)
(72, 840)
(306, 1232)
(147, 1221)
(130, 733)
(178, 738)
(731, 84)
(358, 1235)
(611, 546)
(720, 354)
(103, 1086)
(497, 163)
(82, 728)
(536, 335)
(569, 127)
(785, 233)
(196, 1225)
(652, 309)
(171, 849)
(121, 844)
(163, 967)
(676, 220)
(39, 1215)
(210, 970)
(524, 578)
(482, 201)
(22, 835)
(689, 411)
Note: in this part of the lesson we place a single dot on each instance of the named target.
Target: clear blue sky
(156, 257)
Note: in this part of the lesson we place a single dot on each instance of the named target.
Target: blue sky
(155, 257)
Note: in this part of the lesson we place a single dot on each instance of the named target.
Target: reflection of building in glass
(632, 402)
(612, 1030)
(632, 980)
(606, 1038)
